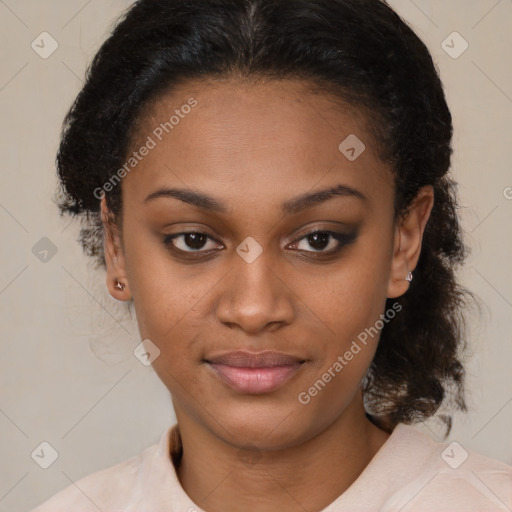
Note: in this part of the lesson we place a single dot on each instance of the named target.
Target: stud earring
(119, 285)
(409, 277)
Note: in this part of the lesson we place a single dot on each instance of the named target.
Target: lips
(268, 359)
(255, 373)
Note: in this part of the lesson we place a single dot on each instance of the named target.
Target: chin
(263, 428)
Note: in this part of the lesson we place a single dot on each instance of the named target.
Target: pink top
(410, 472)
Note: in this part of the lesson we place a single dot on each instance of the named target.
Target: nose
(255, 297)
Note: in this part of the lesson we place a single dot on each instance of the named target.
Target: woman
(267, 181)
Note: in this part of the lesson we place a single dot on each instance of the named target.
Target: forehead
(271, 137)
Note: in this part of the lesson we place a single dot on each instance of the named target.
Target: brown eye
(319, 241)
(191, 242)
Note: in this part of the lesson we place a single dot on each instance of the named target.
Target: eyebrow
(206, 202)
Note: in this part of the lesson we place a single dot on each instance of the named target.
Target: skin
(252, 147)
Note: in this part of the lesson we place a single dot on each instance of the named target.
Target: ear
(407, 241)
(114, 257)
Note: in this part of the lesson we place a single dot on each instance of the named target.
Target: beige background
(68, 375)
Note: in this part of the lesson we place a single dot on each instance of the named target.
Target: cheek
(170, 301)
(349, 296)
(343, 344)
(160, 296)
(348, 311)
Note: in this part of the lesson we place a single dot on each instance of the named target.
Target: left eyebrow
(308, 200)
(206, 202)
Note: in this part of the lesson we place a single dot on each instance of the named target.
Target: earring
(409, 277)
(119, 285)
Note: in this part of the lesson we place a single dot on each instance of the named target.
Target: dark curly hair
(367, 56)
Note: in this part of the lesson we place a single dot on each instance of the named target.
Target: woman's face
(260, 159)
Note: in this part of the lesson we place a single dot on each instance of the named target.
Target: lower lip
(255, 380)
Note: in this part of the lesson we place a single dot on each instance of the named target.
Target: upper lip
(265, 359)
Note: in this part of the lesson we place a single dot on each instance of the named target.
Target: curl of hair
(361, 52)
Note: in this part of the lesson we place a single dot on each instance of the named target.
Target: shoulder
(110, 488)
(447, 476)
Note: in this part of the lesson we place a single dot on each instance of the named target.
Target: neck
(220, 477)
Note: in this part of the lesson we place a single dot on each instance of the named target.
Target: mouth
(255, 373)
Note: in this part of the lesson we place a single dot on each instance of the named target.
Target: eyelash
(343, 239)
